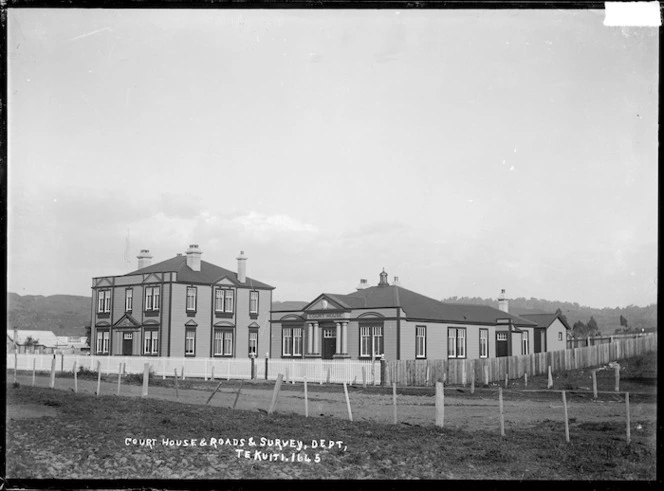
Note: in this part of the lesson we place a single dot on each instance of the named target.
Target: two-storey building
(181, 307)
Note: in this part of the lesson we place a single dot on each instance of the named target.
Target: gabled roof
(545, 320)
(209, 273)
(43, 338)
(417, 306)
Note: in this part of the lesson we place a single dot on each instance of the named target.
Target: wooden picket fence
(461, 372)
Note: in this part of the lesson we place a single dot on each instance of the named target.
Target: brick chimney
(241, 267)
(502, 302)
(363, 284)
(194, 257)
(396, 281)
(144, 259)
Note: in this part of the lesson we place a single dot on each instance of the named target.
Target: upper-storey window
(129, 299)
(151, 298)
(104, 301)
(253, 302)
(223, 300)
(191, 298)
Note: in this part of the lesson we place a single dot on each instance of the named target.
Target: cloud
(260, 223)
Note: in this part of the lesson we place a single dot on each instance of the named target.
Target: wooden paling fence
(461, 372)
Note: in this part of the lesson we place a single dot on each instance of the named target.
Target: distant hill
(65, 315)
(608, 319)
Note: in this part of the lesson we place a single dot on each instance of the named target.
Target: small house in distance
(28, 341)
(397, 323)
(181, 307)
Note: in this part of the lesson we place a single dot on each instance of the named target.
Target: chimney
(241, 267)
(363, 284)
(396, 281)
(502, 302)
(144, 259)
(383, 279)
(194, 257)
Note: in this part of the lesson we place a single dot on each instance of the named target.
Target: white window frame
(151, 342)
(287, 341)
(365, 341)
(253, 302)
(152, 298)
(501, 336)
(297, 341)
(103, 342)
(456, 342)
(253, 342)
(218, 346)
(189, 342)
(129, 299)
(228, 343)
(104, 301)
(420, 341)
(484, 343)
(227, 298)
(192, 293)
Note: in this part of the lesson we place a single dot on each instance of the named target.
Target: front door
(538, 342)
(501, 344)
(127, 343)
(329, 343)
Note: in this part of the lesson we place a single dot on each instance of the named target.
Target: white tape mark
(632, 14)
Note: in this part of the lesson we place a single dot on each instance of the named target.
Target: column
(344, 337)
(310, 338)
(338, 337)
(316, 335)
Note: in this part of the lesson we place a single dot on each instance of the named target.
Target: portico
(326, 334)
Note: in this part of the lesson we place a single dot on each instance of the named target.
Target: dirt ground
(462, 410)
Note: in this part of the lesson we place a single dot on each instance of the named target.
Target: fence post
(594, 384)
(350, 413)
(177, 392)
(163, 368)
(98, 377)
(253, 367)
(238, 393)
(146, 378)
(213, 393)
(506, 379)
(566, 420)
(306, 399)
(62, 362)
(16, 363)
(212, 372)
(394, 401)
(629, 436)
(525, 380)
(119, 376)
(440, 404)
(549, 384)
(75, 378)
(34, 369)
(502, 414)
(275, 393)
(616, 371)
(486, 374)
(364, 378)
(266, 358)
(383, 367)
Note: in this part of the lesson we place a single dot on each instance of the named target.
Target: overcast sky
(462, 151)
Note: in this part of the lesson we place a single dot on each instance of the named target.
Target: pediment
(324, 302)
(103, 282)
(254, 325)
(127, 321)
(224, 324)
(103, 324)
(191, 323)
(150, 322)
(225, 281)
(152, 278)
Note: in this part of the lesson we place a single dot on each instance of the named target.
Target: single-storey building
(29, 341)
(399, 324)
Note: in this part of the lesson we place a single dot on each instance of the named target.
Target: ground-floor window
(223, 342)
(291, 341)
(151, 343)
(103, 341)
(456, 342)
(525, 343)
(420, 342)
(190, 342)
(371, 341)
(484, 343)
(253, 343)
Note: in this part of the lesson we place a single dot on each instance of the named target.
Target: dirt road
(480, 411)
